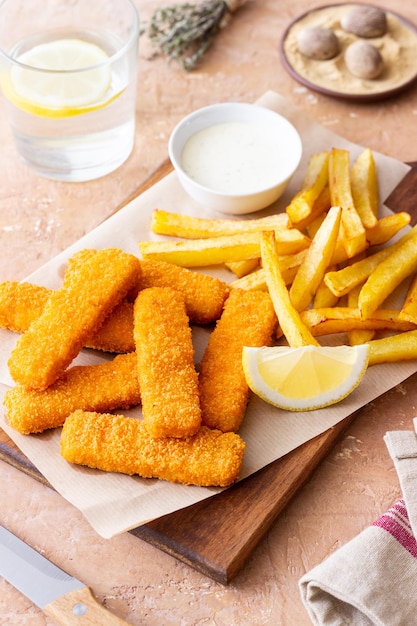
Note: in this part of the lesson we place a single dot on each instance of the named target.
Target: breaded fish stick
(116, 333)
(21, 303)
(248, 319)
(94, 284)
(204, 295)
(165, 355)
(103, 387)
(115, 443)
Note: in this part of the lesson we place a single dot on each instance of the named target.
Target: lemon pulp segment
(305, 378)
(61, 87)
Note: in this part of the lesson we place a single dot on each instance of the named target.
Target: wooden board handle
(80, 607)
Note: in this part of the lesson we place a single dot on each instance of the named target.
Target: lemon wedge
(305, 378)
(57, 90)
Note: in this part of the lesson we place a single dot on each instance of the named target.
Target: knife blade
(60, 596)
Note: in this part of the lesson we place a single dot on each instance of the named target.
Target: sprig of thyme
(184, 32)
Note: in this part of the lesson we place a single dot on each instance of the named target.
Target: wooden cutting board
(216, 536)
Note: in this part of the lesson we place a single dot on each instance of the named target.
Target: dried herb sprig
(184, 32)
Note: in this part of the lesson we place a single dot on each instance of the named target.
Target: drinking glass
(68, 74)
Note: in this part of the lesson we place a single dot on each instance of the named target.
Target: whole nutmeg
(364, 60)
(318, 43)
(365, 21)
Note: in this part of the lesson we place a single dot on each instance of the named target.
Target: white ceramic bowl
(246, 139)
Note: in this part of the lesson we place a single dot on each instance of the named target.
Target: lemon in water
(305, 378)
(62, 87)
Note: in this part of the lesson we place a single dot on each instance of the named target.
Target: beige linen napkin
(402, 446)
(371, 580)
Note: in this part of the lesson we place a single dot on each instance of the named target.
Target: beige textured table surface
(353, 486)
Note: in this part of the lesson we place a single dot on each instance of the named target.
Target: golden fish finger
(94, 284)
(204, 295)
(115, 443)
(21, 303)
(165, 356)
(103, 387)
(248, 319)
(116, 333)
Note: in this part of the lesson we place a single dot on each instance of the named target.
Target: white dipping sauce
(235, 157)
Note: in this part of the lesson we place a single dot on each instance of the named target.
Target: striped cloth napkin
(402, 446)
(372, 580)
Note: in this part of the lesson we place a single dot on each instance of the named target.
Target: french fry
(288, 266)
(315, 180)
(320, 206)
(290, 263)
(332, 320)
(313, 226)
(324, 297)
(203, 252)
(352, 230)
(316, 261)
(188, 227)
(364, 184)
(339, 255)
(401, 263)
(358, 336)
(242, 268)
(409, 308)
(217, 250)
(295, 331)
(387, 227)
(340, 282)
(254, 280)
(401, 347)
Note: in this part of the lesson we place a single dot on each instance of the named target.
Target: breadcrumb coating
(94, 283)
(114, 443)
(21, 303)
(204, 295)
(116, 332)
(248, 319)
(103, 387)
(165, 355)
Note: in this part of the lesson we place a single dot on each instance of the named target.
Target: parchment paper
(114, 503)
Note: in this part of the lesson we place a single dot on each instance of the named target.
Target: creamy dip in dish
(236, 157)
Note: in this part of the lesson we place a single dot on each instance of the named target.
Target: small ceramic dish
(235, 157)
(398, 48)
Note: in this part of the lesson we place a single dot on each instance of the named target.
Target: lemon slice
(305, 378)
(58, 90)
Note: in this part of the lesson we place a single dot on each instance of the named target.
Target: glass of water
(68, 74)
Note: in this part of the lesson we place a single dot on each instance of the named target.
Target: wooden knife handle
(78, 608)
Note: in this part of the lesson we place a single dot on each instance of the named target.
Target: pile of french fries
(330, 261)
